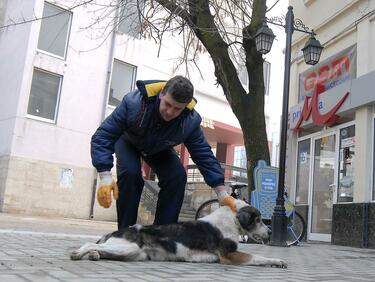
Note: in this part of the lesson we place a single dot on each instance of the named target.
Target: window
(240, 159)
(2, 12)
(242, 75)
(130, 19)
(44, 95)
(240, 156)
(54, 30)
(266, 76)
(244, 78)
(123, 81)
(346, 168)
(303, 172)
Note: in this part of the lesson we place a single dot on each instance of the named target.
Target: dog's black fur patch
(196, 235)
(227, 246)
(247, 217)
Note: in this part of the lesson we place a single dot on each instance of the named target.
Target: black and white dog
(210, 239)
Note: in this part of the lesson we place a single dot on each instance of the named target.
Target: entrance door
(323, 192)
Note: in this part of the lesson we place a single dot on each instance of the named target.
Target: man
(146, 125)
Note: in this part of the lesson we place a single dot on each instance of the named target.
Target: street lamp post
(311, 51)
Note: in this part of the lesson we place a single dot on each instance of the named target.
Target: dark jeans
(172, 182)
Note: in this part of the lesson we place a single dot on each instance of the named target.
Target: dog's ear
(247, 217)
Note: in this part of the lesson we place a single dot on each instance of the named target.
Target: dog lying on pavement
(211, 239)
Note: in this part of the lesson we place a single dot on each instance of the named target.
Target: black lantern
(264, 39)
(312, 51)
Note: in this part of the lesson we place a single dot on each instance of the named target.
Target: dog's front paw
(75, 255)
(280, 263)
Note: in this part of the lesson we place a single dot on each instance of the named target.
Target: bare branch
(24, 21)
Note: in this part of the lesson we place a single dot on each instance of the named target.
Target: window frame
(67, 37)
(134, 80)
(57, 106)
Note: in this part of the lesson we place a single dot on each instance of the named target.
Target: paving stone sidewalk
(42, 254)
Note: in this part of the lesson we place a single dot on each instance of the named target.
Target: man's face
(169, 108)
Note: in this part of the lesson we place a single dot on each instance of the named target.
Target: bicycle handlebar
(237, 186)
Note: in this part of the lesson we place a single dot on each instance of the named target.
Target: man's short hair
(180, 88)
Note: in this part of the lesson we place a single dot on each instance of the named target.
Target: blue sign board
(266, 179)
(265, 193)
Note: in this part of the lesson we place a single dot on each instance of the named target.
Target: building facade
(58, 80)
(330, 163)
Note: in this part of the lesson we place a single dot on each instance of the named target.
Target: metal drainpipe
(105, 100)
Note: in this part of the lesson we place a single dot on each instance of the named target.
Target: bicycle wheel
(296, 229)
(206, 208)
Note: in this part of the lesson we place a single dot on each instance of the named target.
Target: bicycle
(296, 224)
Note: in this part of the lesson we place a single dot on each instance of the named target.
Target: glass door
(323, 192)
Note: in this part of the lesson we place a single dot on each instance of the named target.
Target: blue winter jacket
(137, 119)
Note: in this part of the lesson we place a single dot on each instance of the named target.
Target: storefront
(331, 149)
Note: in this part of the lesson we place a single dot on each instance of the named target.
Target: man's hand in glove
(107, 186)
(224, 198)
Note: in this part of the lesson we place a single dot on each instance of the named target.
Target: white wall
(81, 100)
(13, 45)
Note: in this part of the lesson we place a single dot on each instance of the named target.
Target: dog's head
(251, 223)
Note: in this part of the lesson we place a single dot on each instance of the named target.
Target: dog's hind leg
(121, 249)
(113, 248)
(82, 251)
(240, 258)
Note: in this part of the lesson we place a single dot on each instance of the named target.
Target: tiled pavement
(41, 256)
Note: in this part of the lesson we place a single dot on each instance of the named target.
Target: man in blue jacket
(146, 125)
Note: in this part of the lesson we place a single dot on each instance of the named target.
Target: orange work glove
(224, 198)
(230, 202)
(107, 186)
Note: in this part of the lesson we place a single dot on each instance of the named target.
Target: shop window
(123, 81)
(54, 30)
(303, 172)
(346, 164)
(44, 95)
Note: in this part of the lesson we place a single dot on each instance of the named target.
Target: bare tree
(225, 28)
